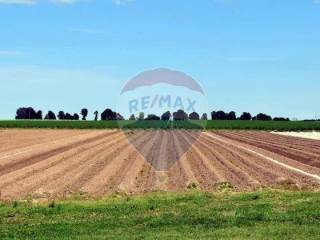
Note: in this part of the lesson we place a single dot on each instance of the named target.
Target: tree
(166, 116)
(213, 115)
(96, 115)
(68, 116)
(281, 119)
(61, 115)
(204, 117)
(180, 115)
(132, 117)
(231, 116)
(119, 117)
(108, 115)
(39, 115)
(84, 113)
(220, 115)
(245, 116)
(262, 117)
(194, 116)
(141, 116)
(50, 116)
(26, 113)
(152, 117)
(76, 117)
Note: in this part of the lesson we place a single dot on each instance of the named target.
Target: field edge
(195, 214)
(200, 125)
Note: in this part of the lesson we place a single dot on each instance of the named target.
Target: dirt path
(308, 135)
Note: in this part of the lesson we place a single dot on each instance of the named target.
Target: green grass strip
(194, 215)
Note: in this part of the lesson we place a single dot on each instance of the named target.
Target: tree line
(29, 113)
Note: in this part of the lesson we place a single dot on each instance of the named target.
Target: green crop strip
(197, 125)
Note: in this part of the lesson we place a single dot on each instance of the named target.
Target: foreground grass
(260, 215)
(236, 125)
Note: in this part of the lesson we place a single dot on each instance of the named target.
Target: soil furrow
(246, 163)
(221, 165)
(129, 169)
(178, 178)
(283, 172)
(69, 179)
(98, 162)
(95, 167)
(205, 178)
(306, 154)
(61, 158)
(10, 167)
(98, 184)
(55, 174)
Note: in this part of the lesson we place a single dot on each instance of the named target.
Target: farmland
(46, 164)
(126, 124)
(151, 184)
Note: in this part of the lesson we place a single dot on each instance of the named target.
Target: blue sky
(249, 55)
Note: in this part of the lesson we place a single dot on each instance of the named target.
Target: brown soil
(60, 163)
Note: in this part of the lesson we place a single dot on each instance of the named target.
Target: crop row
(212, 124)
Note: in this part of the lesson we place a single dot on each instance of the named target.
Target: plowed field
(60, 163)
